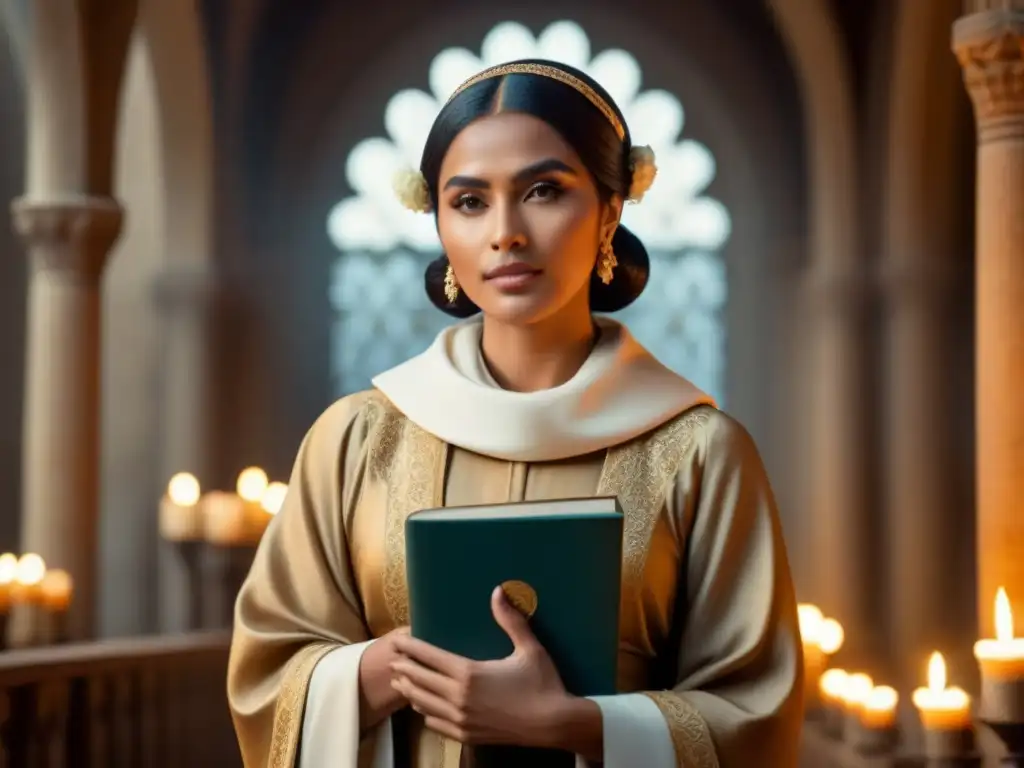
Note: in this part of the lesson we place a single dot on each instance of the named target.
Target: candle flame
(1004, 616)
(832, 683)
(882, 699)
(252, 483)
(8, 567)
(183, 490)
(810, 619)
(273, 498)
(936, 673)
(858, 688)
(831, 636)
(31, 569)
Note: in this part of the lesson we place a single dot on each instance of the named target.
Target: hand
(509, 701)
(378, 699)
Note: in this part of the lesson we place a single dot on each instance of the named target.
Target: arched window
(382, 313)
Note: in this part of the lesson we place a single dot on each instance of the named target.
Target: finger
(425, 678)
(426, 703)
(429, 655)
(446, 728)
(511, 621)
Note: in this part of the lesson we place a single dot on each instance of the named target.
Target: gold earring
(451, 285)
(606, 262)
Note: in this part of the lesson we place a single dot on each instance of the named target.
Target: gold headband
(543, 70)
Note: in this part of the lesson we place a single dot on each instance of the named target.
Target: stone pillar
(68, 243)
(990, 47)
(841, 544)
(186, 297)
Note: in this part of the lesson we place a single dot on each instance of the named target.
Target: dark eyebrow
(529, 172)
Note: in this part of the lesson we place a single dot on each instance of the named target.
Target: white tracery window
(383, 315)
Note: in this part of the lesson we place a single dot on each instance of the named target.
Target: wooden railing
(134, 703)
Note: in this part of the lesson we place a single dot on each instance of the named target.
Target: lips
(512, 269)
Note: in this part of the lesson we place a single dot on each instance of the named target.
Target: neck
(538, 356)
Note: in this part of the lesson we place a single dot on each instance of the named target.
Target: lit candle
(55, 592)
(856, 690)
(180, 515)
(874, 732)
(945, 713)
(8, 570)
(831, 636)
(878, 711)
(251, 485)
(270, 505)
(831, 689)
(225, 521)
(26, 597)
(1001, 661)
(810, 619)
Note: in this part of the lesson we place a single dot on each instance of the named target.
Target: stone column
(186, 297)
(842, 546)
(990, 47)
(68, 243)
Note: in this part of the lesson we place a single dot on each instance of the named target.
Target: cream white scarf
(620, 392)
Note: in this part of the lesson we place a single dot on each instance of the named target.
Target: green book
(559, 561)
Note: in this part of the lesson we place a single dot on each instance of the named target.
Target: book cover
(560, 563)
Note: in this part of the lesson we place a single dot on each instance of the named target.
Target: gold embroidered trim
(411, 462)
(291, 704)
(639, 473)
(691, 736)
(554, 73)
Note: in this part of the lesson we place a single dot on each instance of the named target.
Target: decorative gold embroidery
(691, 736)
(291, 704)
(555, 74)
(411, 461)
(639, 473)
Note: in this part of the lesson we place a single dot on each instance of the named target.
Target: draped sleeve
(299, 607)
(738, 694)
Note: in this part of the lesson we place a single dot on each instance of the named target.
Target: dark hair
(584, 127)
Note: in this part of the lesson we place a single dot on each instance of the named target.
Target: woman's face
(520, 218)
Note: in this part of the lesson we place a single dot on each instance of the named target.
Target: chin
(521, 309)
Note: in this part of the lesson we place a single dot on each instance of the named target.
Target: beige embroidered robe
(702, 548)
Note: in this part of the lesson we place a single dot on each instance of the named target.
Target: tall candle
(55, 593)
(1001, 661)
(945, 713)
(224, 519)
(831, 690)
(26, 597)
(251, 485)
(180, 516)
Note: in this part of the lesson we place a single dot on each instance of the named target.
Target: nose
(509, 234)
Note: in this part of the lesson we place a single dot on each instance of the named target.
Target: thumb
(512, 621)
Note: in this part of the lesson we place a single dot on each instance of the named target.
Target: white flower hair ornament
(644, 168)
(412, 190)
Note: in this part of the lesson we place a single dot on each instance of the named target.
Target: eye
(468, 203)
(545, 191)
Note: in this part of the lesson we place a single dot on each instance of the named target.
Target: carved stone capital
(71, 238)
(990, 48)
(190, 289)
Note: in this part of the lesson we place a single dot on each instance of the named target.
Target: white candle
(180, 516)
(1001, 661)
(942, 708)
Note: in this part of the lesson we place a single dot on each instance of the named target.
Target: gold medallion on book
(522, 596)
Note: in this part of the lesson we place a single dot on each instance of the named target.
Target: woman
(526, 169)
